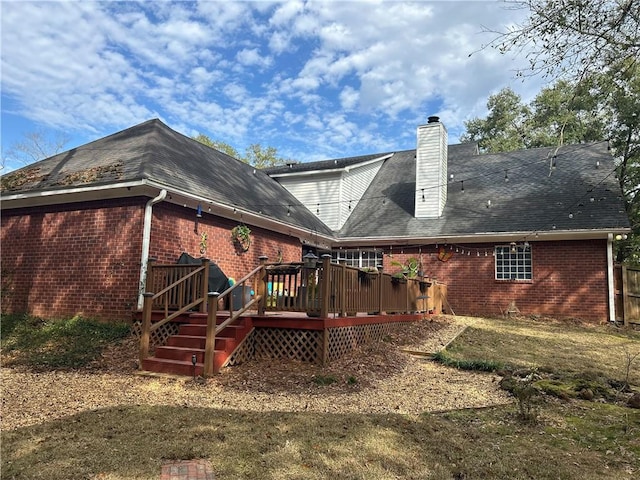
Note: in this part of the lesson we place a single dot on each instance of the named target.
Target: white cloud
(251, 57)
(349, 98)
(321, 78)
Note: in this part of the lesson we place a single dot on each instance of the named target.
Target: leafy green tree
(575, 38)
(504, 128)
(263, 157)
(256, 155)
(218, 145)
(565, 113)
(560, 114)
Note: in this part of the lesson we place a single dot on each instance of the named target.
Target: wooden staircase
(176, 356)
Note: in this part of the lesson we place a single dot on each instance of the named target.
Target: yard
(379, 413)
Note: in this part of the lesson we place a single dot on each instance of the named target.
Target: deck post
(146, 327)
(342, 291)
(326, 286)
(205, 284)
(148, 281)
(261, 285)
(210, 343)
(381, 291)
(625, 296)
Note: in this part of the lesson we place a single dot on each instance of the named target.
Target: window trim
(522, 263)
(336, 254)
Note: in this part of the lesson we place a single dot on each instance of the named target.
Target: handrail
(182, 310)
(175, 284)
(197, 298)
(212, 312)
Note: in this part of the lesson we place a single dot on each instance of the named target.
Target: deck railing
(328, 288)
(322, 289)
(182, 288)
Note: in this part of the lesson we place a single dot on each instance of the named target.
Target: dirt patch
(378, 378)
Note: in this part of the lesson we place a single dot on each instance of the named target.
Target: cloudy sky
(315, 79)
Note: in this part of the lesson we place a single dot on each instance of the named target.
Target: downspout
(146, 241)
(611, 291)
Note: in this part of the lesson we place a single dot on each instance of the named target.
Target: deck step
(175, 357)
(176, 367)
(190, 329)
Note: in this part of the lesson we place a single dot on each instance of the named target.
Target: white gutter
(610, 282)
(479, 238)
(146, 240)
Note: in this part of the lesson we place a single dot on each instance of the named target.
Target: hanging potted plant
(398, 278)
(367, 273)
(409, 269)
(241, 236)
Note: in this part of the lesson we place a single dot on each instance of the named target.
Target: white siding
(431, 170)
(332, 191)
(311, 190)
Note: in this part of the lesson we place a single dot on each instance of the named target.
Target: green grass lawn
(572, 439)
(55, 344)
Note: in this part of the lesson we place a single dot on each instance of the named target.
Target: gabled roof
(154, 152)
(574, 196)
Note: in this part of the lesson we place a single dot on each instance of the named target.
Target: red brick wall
(173, 232)
(569, 280)
(85, 258)
(81, 258)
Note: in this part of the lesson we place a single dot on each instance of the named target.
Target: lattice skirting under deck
(342, 340)
(308, 345)
(158, 337)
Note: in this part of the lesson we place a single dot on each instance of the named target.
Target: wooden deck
(314, 313)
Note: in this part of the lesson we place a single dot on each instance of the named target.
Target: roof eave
(485, 237)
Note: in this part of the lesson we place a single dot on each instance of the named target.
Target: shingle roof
(153, 151)
(535, 198)
(323, 164)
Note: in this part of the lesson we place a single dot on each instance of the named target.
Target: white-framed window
(513, 262)
(358, 258)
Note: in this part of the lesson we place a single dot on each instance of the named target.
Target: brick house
(530, 230)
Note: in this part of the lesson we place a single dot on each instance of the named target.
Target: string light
(553, 165)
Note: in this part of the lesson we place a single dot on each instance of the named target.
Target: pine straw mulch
(376, 378)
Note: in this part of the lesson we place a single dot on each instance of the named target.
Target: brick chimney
(431, 169)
